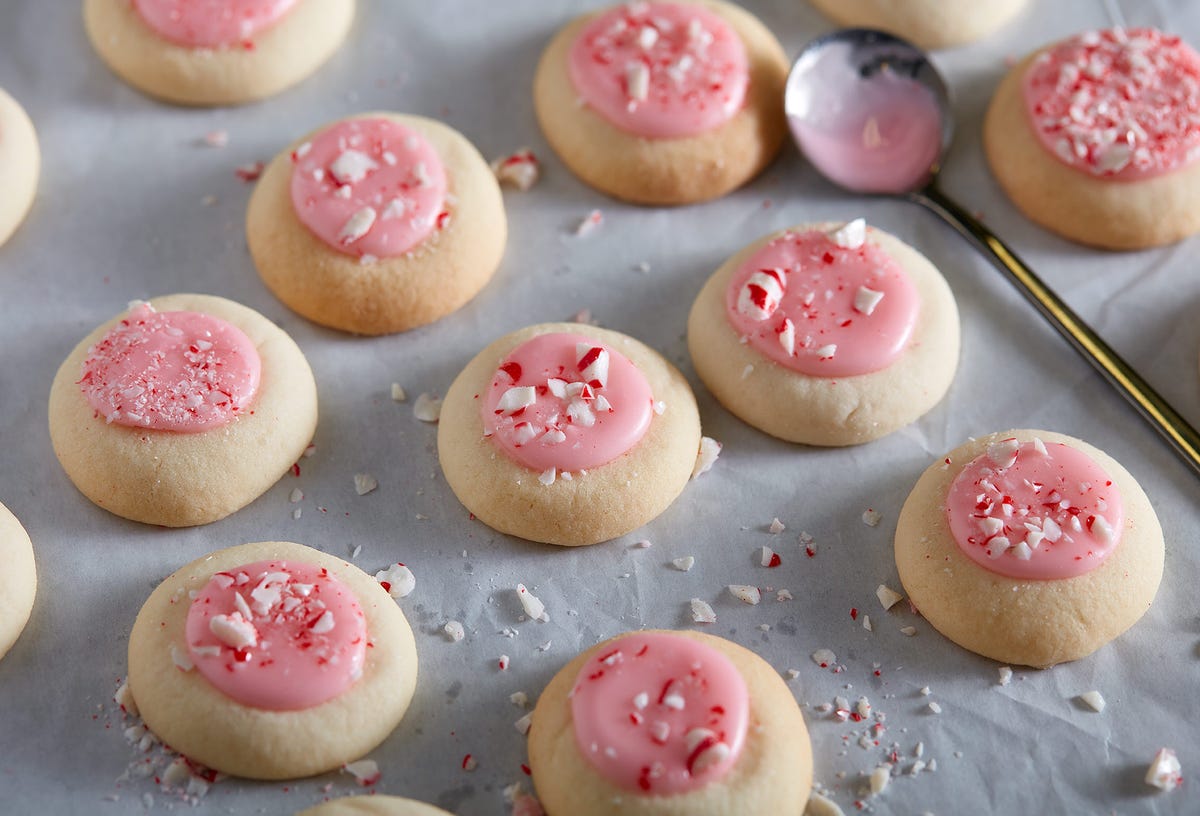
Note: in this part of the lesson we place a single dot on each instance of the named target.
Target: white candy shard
(522, 725)
(908, 631)
(516, 398)
(352, 167)
(871, 517)
(396, 208)
(233, 630)
(592, 363)
(702, 612)
(364, 483)
(534, 608)
(784, 595)
(454, 631)
(766, 556)
(357, 226)
(851, 235)
(548, 476)
(827, 352)
(787, 336)
(824, 658)
(1003, 453)
(1101, 529)
(710, 449)
(1165, 772)
(1005, 676)
(887, 596)
(637, 82)
(323, 624)
(879, 779)
(997, 546)
(427, 408)
(647, 37)
(589, 223)
(685, 563)
(746, 594)
(521, 169)
(759, 296)
(776, 527)
(934, 708)
(865, 300)
(365, 771)
(398, 580)
(1093, 700)
(1040, 446)
(124, 698)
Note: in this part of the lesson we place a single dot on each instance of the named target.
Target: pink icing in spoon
(660, 70)
(277, 635)
(566, 402)
(826, 306)
(171, 371)
(1034, 510)
(660, 713)
(371, 188)
(211, 23)
(1117, 104)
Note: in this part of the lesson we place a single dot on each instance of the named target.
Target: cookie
(669, 723)
(181, 410)
(271, 661)
(663, 102)
(378, 223)
(926, 23)
(18, 579)
(19, 164)
(1029, 547)
(1094, 138)
(826, 334)
(374, 805)
(568, 434)
(215, 52)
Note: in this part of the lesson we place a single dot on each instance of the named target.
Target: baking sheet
(130, 205)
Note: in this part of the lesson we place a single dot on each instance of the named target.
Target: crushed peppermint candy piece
(522, 725)
(427, 408)
(851, 235)
(1005, 676)
(398, 394)
(710, 449)
(548, 476)
(827, 352)
(469, 763)
(824, 658)
(934, 708)
(519, 698)
(783, 595)
(637, 82)
(181, 659)
(534, 608)
(357, 225)
(1165, 772)
(588, 224)
(769, 558)
(776, 527)
(702, 612)
(249, 172)
(1093, 700)
(351, 167)
(866, 623)
(643, 544)
(787, 336)
(879, 779)
(503, 662)
(365, 771)
(684, 564)
(871, 517)
(216, 138)
(865, 300)
(760, 296)
(520, 169)
(516, 399)
(296, 496)
(364, 483)
(454, 631)
(398, 580)
(887, 596)
(909, 631)
(746, 594)
(124, 698)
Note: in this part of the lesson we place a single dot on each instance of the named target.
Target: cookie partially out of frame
(680, 715)
(20, 160)
(373, 806)
(201, 721)
(1040, 594)
(18, 579)
(641, 165)
(925, 23)
(244, 69)
(547, 501)
(179, 478)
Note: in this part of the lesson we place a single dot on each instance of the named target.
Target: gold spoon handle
(1148, 402)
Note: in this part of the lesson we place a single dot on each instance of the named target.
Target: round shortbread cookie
(668, 170)
(1017, 618)
(250, 68)
(1099, 210)
(593, 504)
(189, 713)
(827, 410)
(771, 773)
(374, 806)
(926, 23)
(352, 289)
(18, 579)
(176, 478)
(19, 164)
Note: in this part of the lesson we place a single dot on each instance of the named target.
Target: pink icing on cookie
(1035, 510)
(822, 309)
(660, 713)
(660, 70)
(171, 371)
(567, 402)
(1118, 104)
(277, 635)
(372, 188)
(211, 23)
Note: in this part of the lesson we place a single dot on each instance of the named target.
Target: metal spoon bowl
(872, 114)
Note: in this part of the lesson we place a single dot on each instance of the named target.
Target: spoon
(872, 114)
